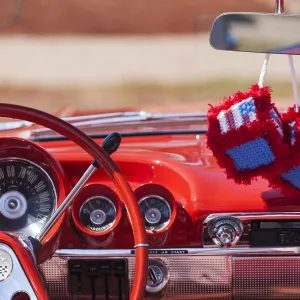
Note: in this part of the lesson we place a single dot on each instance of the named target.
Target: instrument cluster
(97, 210)
(33, 185)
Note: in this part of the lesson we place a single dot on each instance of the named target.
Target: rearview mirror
(257, 32)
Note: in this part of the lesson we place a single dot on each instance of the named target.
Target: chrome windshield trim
(124, 121)
(134, 114)
(103, 116)
(110, 119)
(209, 251)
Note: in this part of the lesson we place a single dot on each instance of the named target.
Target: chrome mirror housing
(257, 32)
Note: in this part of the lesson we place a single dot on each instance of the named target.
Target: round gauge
(98, 214)
(156, 212)
(27, 197)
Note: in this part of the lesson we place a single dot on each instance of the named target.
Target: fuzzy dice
(245, 134)
(287, 175)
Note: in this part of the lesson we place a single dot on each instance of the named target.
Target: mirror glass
(257, 32)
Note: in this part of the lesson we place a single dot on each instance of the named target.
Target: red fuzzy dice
(287, 175)
(245, 134)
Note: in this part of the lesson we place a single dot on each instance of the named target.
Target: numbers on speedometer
(27, 197)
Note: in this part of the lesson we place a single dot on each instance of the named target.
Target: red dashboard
(175, 173)
(175, 180)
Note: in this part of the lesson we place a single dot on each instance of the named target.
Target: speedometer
(27, 197)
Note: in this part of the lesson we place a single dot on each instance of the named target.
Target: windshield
(76, 57)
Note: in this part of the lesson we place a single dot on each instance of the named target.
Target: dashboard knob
(225, 231)
(226, 235)
(157, 277)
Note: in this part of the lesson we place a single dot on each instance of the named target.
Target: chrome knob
(155, 276)
(225, 231)
(226, 235)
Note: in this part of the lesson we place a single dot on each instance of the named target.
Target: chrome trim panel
(6, 264)
(17, 281)
(200, 273)
(209, 251)
(257, 216)
(189, 277)
(246, 219)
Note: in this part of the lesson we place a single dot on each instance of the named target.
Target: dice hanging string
(294, 82)
(263, 71)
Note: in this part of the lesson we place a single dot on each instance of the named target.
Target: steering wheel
(16, 247)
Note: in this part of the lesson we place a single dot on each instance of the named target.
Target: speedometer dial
(27, 197)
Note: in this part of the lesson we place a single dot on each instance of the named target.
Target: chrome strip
(127, 120)
(279, 7)
(209, 251)
(141, 245)
(257, 216)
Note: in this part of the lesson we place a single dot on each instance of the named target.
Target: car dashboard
(208, 238)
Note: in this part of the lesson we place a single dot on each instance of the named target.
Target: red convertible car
(135, 207)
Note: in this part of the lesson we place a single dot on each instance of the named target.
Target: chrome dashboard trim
(141, 245)
(190, 277)
(208, 251)
(256, 216)
(17, 281)
(246, 218)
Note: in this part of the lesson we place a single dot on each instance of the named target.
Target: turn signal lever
(110, 145)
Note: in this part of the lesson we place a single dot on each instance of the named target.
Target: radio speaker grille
(266, 277)
(202, 277)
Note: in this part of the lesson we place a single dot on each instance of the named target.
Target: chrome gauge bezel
(106, 227)
(160, 226)
(41, 169)
(46, 174)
